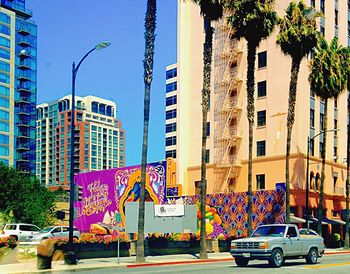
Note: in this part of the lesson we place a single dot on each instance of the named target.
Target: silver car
(53, 232)
(19, 232)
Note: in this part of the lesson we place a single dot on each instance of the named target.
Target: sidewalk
(126, 262)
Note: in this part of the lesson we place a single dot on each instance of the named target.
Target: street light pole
(309, 140)
(71, 256)
(307, 183)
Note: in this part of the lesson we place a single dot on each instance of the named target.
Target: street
(330, 264)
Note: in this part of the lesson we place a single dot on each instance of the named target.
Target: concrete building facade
(99, 140)
(227, 143)
(18, 38)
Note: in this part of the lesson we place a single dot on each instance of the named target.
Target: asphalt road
(330, 264)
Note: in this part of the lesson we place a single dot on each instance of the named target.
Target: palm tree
(211, 10)
(254, 21)
(150, 26)
(298, 35)
(327, 80)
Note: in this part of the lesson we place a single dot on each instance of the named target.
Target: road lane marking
(327, 265)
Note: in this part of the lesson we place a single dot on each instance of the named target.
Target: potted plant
(45, 251)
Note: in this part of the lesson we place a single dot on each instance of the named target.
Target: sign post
(117, 220)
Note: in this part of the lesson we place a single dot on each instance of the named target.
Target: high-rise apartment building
(18, 37)
(227, 143)
(99, 140)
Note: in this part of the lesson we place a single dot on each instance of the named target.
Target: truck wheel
(311, 258)
(276, 259)
(241, 261)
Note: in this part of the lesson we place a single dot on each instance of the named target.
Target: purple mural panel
(106, 192)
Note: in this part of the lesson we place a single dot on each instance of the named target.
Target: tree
(327, 80)
(297, 37)
(254, 21)
(24, 199)
(150, 26)
(211, 10)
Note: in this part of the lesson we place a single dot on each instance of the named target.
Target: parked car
(276, 243)
(53, 232)
(19, 232)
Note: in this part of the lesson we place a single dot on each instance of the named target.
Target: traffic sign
(117, 217)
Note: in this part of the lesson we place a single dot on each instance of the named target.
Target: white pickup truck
(276, 243)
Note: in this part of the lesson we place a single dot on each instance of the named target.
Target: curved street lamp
(71, 256)
(307, 172)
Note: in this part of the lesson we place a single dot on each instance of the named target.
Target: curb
(179, 262)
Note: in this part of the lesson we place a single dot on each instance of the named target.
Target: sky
(67, 29)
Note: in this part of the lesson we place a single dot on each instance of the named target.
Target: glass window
(262, 59)
(172, 100)
(170, 154)
(260, 181)
(102, 108)
(261, 118)
(312, 118)
(262, 89)
(94, 107)
(313, 4)
(4, 139)
(261, 148)
(322, 6)
(4, 78)
(5, 29)
(4, 54)
(4, 102)
(4, 66)
(4, 42)
(336, 17)
(5, 18)
(170, 114)
(170, 127)
(4, 115)
(4, 151)
(171, 73)
(170, 141)
(292, 232)
(171, 87)
(321, 121)
(4, 90)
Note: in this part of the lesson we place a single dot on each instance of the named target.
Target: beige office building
(227, 143)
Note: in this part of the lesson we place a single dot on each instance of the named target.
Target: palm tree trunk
(207, 59)
(250, 115)
(320, 201)
(347, 190)
(150, 26)
(290, 122)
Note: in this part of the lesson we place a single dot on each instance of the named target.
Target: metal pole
(71, 257)
(118, 242)
(307, 183)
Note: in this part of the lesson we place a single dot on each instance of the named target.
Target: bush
(8, 241)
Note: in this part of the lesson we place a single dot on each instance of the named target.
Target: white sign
(169, 210)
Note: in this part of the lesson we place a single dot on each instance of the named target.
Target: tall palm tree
(298, 35)
(254, 21)
(327, 80)
(211, 10)
(150, 26)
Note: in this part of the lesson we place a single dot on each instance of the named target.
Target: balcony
(23, 147)
(23, 111)
(23, 66)
(24, 43)
(23, 89)
(23, 77)
(23, 134)
(24, 31)
(23, 54)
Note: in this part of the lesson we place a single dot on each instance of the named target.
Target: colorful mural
(106, 192)
(232, 208)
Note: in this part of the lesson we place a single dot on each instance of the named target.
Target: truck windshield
(271, 231)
